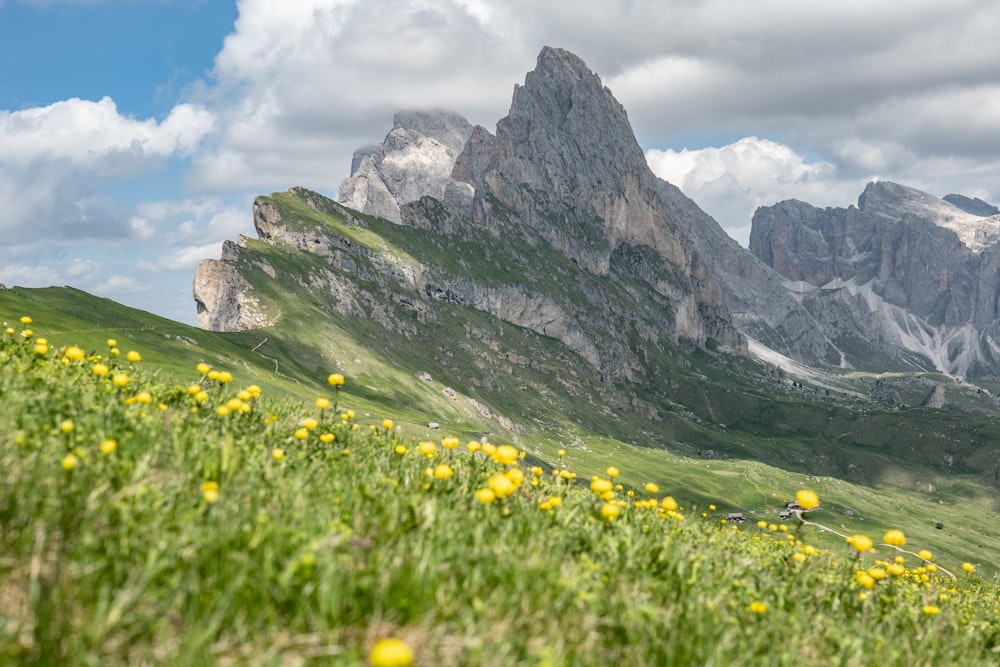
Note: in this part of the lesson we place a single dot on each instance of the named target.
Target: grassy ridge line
(247, 535)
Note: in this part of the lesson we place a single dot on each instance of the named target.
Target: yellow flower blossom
(322, 402)
(327, 438)
(391, 652)
(610, 511)
(449, 443)
(612, 472)
(969, 567)
(400, 449)
(861, 543)
(865, 579)
(931, 610)
(501, 485)
(108, 446)
(652, 488)
(443, 471)
(70, 462)
(133, 356)
(925, 554)
(894, 537)
(505, 455)
(485, 496)
(210, 491)
(807, 499)
(278, 454)
(335, 379)
(202, 368)
(387, 424)
(599, 485)
(758, 607)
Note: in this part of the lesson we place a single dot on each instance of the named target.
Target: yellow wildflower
(391, 652)
(894, 537)
(861, 543)
(610, 511)
(806, 499)
(335, 379)
(210, 491)
(505, 455)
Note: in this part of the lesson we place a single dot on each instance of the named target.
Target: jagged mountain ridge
(564, 171)
(630, 271)
(566, 161)
(903, 275)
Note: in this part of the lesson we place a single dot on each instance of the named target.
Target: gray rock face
(567, 165)
(416, 159)
(975, 206)
(224, 297)
(904, 274)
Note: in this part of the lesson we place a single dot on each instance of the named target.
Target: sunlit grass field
(145, 521)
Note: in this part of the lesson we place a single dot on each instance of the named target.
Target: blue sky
(141, 53)
(134, 134)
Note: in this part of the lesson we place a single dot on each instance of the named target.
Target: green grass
(251, 538)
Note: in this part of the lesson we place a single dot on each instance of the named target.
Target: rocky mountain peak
(567, 136)
(415, 159)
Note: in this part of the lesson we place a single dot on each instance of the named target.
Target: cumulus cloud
(95, 134)
(731, 181)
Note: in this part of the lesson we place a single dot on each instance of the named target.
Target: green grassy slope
(142, 524)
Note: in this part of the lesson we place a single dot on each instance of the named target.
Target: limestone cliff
(413, 161)
(903, 274)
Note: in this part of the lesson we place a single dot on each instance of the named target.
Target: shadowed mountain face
(908, 272)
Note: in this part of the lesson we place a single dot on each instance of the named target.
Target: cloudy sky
(134, 134)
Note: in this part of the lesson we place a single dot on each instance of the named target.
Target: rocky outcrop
(224, 298)
(972, 205)
(903, 274)
(415, 160)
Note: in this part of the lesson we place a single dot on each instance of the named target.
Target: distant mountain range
(902, 282)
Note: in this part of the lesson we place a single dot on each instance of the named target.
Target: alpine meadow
(510, 399)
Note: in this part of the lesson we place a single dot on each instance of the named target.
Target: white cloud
(730, 182)
(95, 134)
